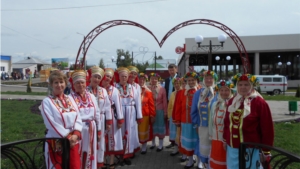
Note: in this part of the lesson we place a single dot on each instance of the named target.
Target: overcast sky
(48, 29)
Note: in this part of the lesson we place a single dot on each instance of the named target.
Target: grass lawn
(280, 97)
(25, 93)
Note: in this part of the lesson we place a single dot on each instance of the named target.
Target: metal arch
(99, 29)
(239, 44)
(102, 27)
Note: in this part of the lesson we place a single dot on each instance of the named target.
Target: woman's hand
(108, 127)
(98, 138)
(225, 146)
(119, 125)
(73, 140)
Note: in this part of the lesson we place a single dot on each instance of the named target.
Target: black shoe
(152, 147)
(183, 159)
(144, 152)
(127, 161)
(159, 149)
(170, 145)
(121, 163)
(174, 154)
(188, 167)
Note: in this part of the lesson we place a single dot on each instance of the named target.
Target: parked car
(272, 84)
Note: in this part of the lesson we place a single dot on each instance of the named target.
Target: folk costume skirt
(252, 158)
(188, 139)
(145, 130)
(159, 126)
(217, 159)
(172, 129)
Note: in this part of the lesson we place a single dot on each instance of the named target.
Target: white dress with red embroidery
(114, 143)
(60, 121)
(90, 116)
(131, 107)
(105, 118)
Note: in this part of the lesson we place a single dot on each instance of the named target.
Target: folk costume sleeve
(177, 109)
(171, 104)
(78, 123)
(57, 129)
(211, 118)
(117, 101)
(266, 124)
(152, 112)
(165, 104)
(194, 112)
(97, 115)
(226, 121)
(107, 107)
(138, 104)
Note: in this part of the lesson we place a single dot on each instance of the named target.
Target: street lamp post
(210, 47)
(283, 85)
(116, 60)
(228, 58)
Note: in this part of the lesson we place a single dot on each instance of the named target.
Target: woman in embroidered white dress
(131, 107)
(61, 119)
(114, 144)
(217, 157)
(90, 115)
(96, 74)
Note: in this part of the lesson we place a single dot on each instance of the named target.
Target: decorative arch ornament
(89, 38)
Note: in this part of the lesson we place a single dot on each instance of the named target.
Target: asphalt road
(12, 88)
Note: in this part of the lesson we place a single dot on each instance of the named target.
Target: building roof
(157, 65)
(32, 60)
(22, 65)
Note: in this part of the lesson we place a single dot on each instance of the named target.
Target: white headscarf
(237, 100)
(207, 90)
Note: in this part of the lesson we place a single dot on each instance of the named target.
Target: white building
(30, 64)
(6, 65)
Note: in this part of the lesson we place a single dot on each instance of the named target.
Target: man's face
(172, 71)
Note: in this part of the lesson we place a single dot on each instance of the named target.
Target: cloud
(296, 13)
(8, 34)
(131, 43)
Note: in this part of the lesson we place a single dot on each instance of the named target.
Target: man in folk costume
(132, 111)
(114, 144)
(248, 119)
(90, 115)
(160, 103)
(173, 129)
(217, 157)
(200, 113)
(182, 118)
(62, 120)
(145, 128)
(96, 74)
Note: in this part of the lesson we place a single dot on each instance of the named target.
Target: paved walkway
(163, 160)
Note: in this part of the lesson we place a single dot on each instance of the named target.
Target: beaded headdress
(109, 71)
(245, 77)
(133, 69)
(78, 75)
(121, 70)
(95, 70)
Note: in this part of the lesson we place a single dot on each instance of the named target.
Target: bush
(298, 92)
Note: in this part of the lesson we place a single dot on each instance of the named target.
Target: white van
(272, 84)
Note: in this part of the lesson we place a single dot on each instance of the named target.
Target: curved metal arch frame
(102, 27)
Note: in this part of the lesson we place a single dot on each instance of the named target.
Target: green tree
(101, 64)
(158, 58)
(142, 66)
(127, 61)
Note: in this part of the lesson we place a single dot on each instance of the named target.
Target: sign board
(178, 50)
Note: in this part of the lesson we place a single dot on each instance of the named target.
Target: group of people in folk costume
(112, 114)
